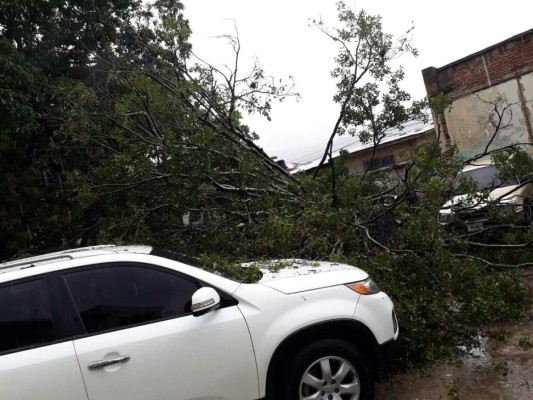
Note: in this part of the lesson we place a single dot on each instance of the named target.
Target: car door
(37, 357)
(142, 341)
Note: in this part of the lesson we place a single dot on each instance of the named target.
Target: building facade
(393, 152)
(490, 95)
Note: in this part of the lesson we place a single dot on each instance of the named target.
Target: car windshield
(484, 178)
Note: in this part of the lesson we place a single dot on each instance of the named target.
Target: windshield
(484, 178)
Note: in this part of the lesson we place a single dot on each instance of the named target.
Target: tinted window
(484, 178)
(114, 297)
(25, 315)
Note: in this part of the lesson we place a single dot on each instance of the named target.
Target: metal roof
(352, 144)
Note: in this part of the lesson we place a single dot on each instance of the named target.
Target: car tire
(528, 213)
(330, 369)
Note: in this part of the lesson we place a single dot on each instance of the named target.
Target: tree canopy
(114, 131)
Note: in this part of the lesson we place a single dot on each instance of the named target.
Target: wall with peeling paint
(491, 95)
(527, 102)
(492, 118)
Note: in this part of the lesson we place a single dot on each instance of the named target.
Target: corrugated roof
(352, 144)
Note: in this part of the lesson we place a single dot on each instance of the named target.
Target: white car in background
(513, 197)
(119, 323)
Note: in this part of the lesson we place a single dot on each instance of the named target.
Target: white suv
(118, 323)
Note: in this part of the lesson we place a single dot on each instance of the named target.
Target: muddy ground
(501, 369)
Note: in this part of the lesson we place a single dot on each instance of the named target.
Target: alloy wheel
(330, 378)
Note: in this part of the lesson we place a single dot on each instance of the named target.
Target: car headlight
(444, 218)
(368, 286)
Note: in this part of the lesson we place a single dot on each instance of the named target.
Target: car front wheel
(528, 213)
(330, 369)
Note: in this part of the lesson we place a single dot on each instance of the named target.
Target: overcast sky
(277, 32)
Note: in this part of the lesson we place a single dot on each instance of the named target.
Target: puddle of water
(499, 370)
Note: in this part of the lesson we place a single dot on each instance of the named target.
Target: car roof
(75, 258)
(71, 254)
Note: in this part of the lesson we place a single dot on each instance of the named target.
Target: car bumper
(385, 352)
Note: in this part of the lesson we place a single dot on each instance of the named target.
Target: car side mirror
(204, 300)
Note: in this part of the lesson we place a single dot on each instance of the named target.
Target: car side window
(25, 315)
(119, 296)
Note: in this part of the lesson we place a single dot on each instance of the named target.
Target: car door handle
(105, 363)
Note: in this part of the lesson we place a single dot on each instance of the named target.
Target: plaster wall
(471, 121)
(500, 73)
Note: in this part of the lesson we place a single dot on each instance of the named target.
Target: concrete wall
(474, 124)
(500, 75)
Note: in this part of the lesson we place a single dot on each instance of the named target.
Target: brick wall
(476, 74)
(503, 61)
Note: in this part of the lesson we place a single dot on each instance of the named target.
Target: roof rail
(72, 254)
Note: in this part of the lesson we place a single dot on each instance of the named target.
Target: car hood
(292, 276)
(504, 194)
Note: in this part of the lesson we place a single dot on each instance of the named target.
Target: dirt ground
(501, 369)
